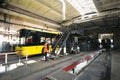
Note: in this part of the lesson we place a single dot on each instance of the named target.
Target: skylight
(83, 6)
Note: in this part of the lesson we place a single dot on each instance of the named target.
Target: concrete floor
(37, 71)
(40, 69)
(115, 67)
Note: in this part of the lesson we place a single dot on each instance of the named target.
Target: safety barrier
(4, 57)
(6, 65)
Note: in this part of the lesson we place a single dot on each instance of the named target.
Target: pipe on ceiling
(63, 8)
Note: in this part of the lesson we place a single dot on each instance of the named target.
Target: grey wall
(117, 38)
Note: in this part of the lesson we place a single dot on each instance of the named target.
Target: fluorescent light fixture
(83, 6)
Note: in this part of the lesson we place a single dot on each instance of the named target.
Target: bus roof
(42, 30)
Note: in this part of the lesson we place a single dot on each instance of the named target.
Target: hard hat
(48, 41)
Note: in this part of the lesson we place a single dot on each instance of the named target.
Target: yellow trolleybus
(32, 41)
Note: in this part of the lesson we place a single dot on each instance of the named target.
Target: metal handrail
(6, 63)
(9, 53)
(6, 56)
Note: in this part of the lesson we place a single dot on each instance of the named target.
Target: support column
(77, 48)
(64, 49)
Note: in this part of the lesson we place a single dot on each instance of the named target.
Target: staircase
(60, 42)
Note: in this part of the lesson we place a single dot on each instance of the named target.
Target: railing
(5, 64)
(4, 56)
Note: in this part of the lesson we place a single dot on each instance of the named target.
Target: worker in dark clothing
(46, 50)
(106, 44)
(103, 43)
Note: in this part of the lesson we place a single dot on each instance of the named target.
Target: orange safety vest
(46, 50)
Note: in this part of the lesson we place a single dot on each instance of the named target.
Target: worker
(46, 50)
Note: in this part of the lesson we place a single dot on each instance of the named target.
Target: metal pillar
(64, 49)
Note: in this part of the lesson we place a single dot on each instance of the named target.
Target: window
(42, 39)
(29, 39)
